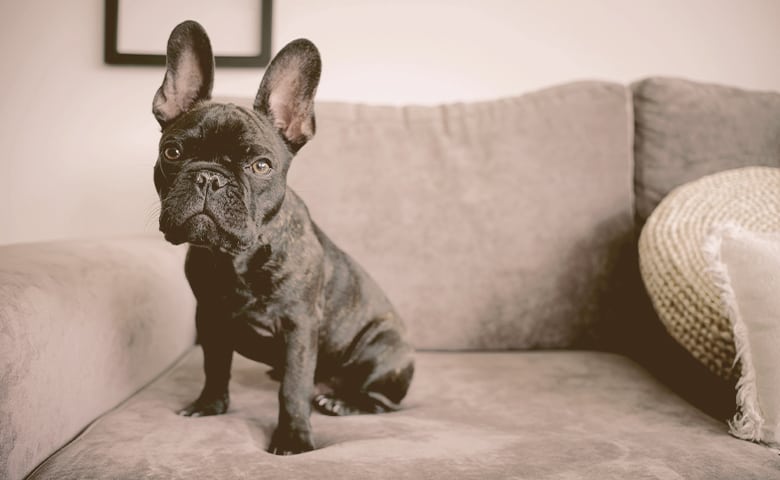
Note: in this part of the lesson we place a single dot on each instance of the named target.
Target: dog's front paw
(203, 407)
(289, 442)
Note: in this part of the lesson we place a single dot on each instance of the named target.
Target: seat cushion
(468, 415)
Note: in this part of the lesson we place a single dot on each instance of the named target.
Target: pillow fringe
(748, 422)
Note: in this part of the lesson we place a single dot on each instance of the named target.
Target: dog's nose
(205, 180)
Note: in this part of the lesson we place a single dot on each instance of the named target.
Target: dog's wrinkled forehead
(224, 129)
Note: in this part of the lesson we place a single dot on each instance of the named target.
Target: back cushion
(685, 130)
(489, 225)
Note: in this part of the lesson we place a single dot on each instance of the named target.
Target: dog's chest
(254, 302)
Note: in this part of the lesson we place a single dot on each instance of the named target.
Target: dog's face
(221, 171)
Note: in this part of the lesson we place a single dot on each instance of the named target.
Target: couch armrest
(83, 325)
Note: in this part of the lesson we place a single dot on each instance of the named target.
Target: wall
(78, 140)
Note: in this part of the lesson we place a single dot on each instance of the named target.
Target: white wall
(78, 140)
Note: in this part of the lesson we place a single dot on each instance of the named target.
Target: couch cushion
(468, 415)
(489, 225)
(83, 325)
(685, 130)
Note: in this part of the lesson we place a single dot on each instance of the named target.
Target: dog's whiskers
(153, 214)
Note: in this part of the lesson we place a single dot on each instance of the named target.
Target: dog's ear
(189, 74)
(286, 94)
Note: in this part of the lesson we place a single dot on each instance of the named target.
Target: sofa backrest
(686, 130)
(490, 225)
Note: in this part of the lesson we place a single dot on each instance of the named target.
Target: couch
(505, 234)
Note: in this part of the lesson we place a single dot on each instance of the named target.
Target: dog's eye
(172, 153)
(261, 166)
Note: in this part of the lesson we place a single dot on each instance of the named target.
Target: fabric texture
(489, 225)
(532, 415)
(686, 130)
(83, 325)
(673, 265)
(746, 269)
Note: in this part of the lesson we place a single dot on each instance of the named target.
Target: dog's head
(221, 170)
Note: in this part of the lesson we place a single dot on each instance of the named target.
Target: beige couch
(505, 234)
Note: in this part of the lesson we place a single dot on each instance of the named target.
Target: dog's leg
(375, 378)
(217, 359)
(293, 432)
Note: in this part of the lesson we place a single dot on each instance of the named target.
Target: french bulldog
(269, 283)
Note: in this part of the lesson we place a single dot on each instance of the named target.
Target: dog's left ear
(189, 75)
(286, 94)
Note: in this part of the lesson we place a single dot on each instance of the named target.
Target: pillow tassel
(748, 422)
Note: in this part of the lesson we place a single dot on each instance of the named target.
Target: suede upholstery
(686, 130)
(535, 415)
(83, 325)
(477, 215)
(494, 225)
(454, 209)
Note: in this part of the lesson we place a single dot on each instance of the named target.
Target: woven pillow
(673, 265)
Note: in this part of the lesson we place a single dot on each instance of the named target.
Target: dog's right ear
(189, 74)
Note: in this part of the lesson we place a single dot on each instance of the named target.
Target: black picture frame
(114, 57)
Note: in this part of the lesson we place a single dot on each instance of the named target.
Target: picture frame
(117, 54)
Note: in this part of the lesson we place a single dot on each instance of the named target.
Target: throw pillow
(745, 267)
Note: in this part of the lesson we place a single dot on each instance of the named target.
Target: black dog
(269, 284)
